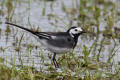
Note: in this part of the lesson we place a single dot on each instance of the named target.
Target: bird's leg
(54, 61)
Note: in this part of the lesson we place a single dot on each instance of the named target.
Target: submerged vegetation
(96, 56)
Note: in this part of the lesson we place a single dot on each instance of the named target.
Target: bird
(56, 42)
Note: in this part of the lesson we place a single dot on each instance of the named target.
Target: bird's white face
(76, 30)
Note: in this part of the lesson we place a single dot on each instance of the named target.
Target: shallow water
(30, 14)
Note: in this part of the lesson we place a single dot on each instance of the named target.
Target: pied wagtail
(56, 42)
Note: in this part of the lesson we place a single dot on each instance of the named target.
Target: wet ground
(21, 48)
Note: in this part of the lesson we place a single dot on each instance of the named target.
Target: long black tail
(21, 28)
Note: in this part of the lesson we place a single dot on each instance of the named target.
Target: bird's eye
(76, 30)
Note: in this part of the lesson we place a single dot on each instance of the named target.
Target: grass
(88, 64)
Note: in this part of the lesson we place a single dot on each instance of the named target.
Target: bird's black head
(75, 31)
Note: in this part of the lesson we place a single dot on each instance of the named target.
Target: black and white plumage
(57, 42)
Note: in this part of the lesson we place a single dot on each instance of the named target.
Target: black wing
(61, 39)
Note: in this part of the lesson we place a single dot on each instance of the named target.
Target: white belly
(54, 49)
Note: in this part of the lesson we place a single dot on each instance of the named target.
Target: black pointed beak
(83, 32)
